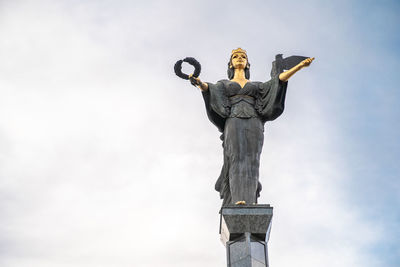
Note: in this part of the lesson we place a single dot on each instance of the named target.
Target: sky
(108, 159)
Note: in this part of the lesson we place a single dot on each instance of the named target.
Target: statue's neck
(239, 74)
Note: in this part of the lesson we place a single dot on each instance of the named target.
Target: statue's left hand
(306, 62)
(284, 76)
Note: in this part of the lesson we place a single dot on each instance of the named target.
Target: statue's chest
(233, 88)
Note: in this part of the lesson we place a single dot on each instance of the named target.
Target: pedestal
(244, 231)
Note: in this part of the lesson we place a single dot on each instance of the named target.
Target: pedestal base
(245, 232)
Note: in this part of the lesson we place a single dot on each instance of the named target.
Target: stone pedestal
(244, 231)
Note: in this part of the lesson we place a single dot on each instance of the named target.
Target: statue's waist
(242, 106)
(237, 98)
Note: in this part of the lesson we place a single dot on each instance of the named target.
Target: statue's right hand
(195, 81)
(198, 83)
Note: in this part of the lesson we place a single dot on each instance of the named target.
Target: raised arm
(284, 76)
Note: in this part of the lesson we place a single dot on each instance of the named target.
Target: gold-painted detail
(239, 50)
(284, 76)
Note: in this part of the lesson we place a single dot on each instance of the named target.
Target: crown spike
(239, 50)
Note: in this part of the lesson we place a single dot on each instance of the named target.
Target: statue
(239, 108)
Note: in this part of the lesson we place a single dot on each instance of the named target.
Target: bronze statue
(240, 108)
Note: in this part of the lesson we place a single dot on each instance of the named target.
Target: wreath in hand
(192, 61)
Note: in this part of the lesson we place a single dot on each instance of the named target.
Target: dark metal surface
(280, 64)
(240, 113)
(192, 61)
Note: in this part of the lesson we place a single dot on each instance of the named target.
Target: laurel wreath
(192, 61)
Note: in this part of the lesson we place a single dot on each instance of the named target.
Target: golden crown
(239, 50)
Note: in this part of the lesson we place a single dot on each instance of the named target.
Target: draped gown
(240, 113)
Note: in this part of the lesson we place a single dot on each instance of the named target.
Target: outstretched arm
(284, 76)
(198, 83)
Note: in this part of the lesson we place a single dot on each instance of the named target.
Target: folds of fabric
(240, 114)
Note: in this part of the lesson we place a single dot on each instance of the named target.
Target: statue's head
(238, 60)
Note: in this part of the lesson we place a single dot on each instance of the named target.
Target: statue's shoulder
(262, 85)
(224, 82)
(221, 84)
(257, 83)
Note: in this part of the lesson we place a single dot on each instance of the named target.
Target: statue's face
(239, 60)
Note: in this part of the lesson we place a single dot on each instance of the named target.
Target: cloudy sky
(108, 159)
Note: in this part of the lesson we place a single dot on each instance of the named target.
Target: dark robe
(240, 113)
